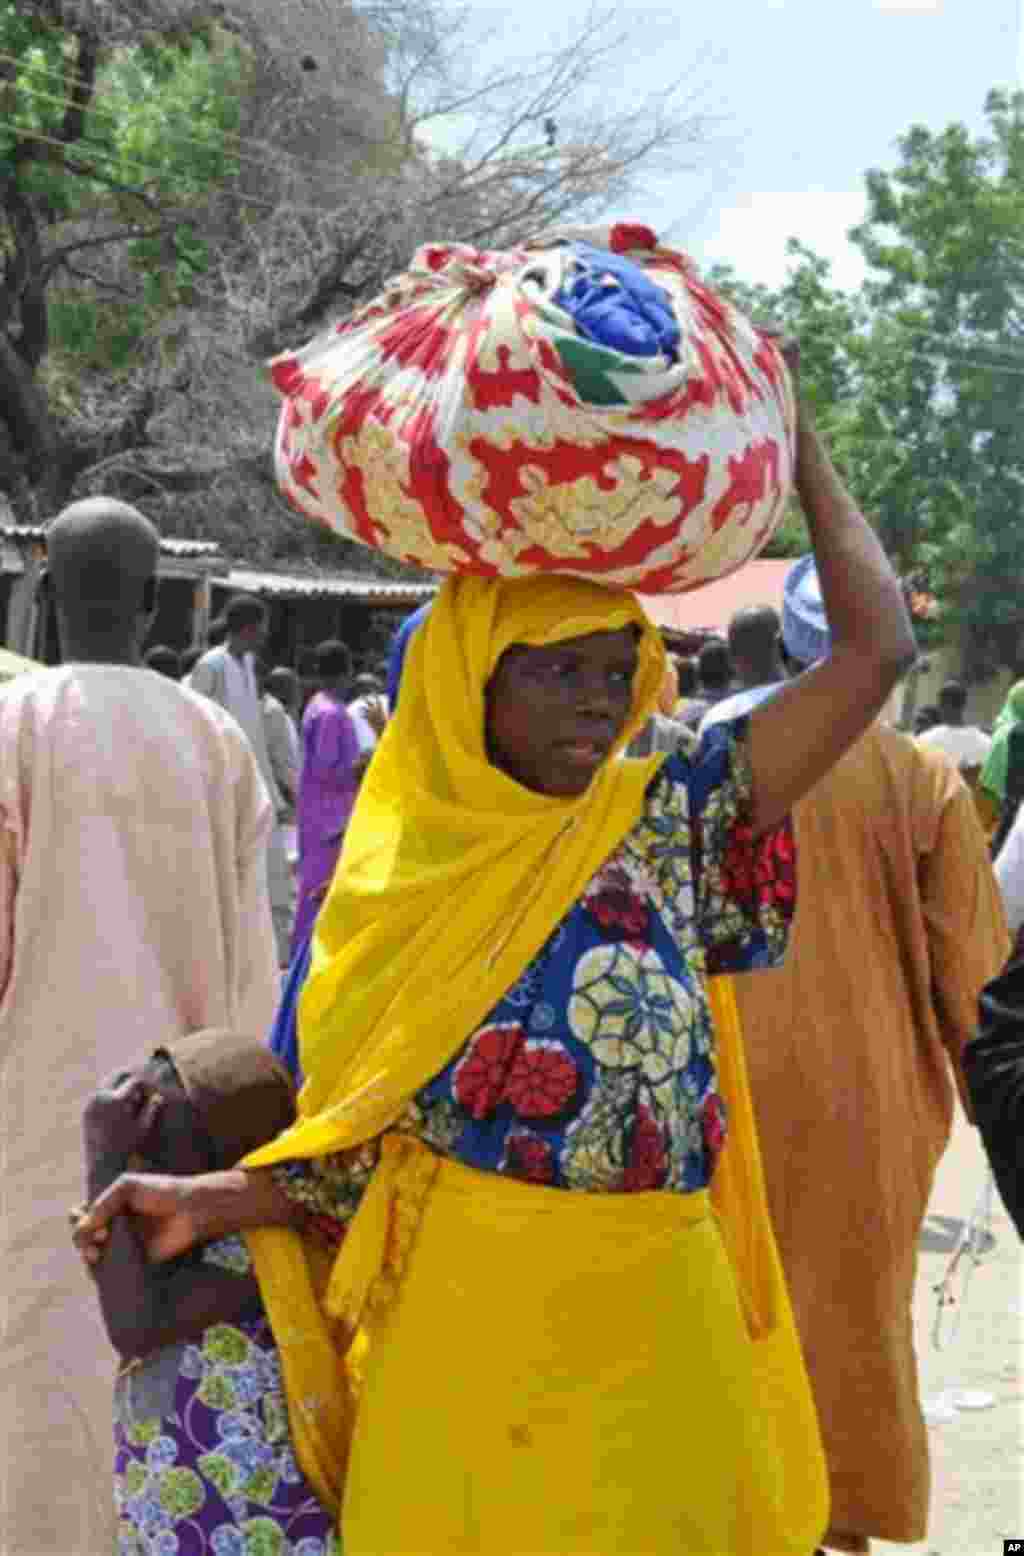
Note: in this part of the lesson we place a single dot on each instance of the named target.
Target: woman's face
(554, 713)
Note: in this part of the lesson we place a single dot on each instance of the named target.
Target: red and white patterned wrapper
(459, 421)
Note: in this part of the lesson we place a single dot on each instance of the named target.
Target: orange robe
(853, 1047)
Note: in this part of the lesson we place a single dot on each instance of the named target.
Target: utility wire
(948, 357)
(116, 160)
(225, 136)
(150, 171)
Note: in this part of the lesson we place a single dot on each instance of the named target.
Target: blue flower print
(543, 1017)
(288, 1468)
(248, 1454)
(248, 1386)
(150, 1516)
(192, 1363)
(233, 1426)
(227, 1541)
(526, 989)
(162, 1453)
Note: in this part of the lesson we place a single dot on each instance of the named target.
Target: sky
(806, 95)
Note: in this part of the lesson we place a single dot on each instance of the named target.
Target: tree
(829, 324)
(100, 152)
(317, 144)
(943, 238)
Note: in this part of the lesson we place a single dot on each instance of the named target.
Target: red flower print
(329, 1231)
(648, 1156)
(528, 1157)
(775, 868)
(542, 1080)
(712, 1117)
(478, 1082)
(738, 864)
(613, 903)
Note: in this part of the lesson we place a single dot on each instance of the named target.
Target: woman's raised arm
(797, 736)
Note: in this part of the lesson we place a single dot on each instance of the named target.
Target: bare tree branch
(58, 257)
(398, 134)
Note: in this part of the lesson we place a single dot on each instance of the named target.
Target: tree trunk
(26, 416)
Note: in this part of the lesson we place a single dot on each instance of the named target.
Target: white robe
(133, 909)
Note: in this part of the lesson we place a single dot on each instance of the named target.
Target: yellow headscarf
(453, 874)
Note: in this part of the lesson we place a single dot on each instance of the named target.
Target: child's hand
(119, 1117)
(91, 1247)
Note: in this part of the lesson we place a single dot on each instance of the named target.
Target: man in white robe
(133, 910)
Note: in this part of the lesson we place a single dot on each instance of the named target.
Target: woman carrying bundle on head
(515, 1250)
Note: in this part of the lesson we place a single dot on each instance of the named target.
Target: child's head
(222, 1095)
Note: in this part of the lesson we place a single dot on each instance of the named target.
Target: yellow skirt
(564, 1373)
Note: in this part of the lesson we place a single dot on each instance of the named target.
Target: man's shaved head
(754, 638)
(102, 557)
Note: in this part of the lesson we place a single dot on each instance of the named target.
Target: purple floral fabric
(203, 1463)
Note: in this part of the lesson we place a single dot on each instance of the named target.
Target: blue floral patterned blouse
(596, 1070)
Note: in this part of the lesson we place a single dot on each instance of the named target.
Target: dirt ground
(978, 1455)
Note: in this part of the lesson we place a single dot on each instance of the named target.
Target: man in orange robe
(854, 1051)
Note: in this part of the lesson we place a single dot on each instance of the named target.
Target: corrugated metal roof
(709, 608)
(294, 586)
(23, 532)
(169, 545)
(187, 548)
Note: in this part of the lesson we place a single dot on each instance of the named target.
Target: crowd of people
(564, 1196)
(311, 739)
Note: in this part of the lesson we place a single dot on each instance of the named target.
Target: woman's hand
(174, 1214)
(169, 1212)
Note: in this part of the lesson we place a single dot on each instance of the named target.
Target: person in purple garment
(204, 1463)
(331, 769)
(284, 1035)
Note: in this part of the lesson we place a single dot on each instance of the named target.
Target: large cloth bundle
(582, 405)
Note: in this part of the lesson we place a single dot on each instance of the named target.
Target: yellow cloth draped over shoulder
(451, 879)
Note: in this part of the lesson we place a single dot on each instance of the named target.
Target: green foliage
(163, 117)
(826, 321)
(174, 111)
(96, 335)
(161, 120)
(942, 236)
(791, 538)
(918, 379)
